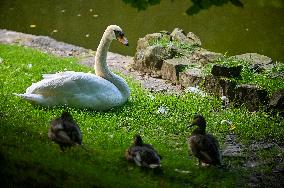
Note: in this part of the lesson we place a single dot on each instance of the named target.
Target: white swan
(100, 92)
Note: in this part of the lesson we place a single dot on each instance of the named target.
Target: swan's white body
(102, 91)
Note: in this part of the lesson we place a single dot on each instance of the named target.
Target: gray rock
(204, 56)
(220, 86)
(191, 77)
(179, 36)
(253, 164)
(251, 96)
(261, 146)
(172, 68)
(228, 72)
(258, 62)
(232, 147)
(276, 102)
(144, 42)
(151, 59)
(194, 38)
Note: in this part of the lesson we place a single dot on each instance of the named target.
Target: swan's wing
(53, 85)
(76, 89)
(52, 76)
(67, 83)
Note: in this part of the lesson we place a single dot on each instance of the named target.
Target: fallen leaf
(232, 127)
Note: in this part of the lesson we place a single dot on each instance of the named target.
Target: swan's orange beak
(123, 40)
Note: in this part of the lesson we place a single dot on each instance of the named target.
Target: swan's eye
(118, 34)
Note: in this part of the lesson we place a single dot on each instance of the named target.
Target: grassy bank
(28, 157)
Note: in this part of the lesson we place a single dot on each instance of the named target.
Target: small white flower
(195, 90)
(162, 110)
(30, 65)
(223, 98)
(227, 122)
(225, 101)
(151, 97)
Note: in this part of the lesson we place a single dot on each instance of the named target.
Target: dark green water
(222, 25)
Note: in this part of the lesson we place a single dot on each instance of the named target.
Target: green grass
(31, 159)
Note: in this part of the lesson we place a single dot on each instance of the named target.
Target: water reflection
(141, 4)
(199, 5)
(222, 25)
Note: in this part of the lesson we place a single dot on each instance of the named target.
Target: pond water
(232, 26)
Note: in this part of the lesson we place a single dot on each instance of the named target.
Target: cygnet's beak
(123, 40)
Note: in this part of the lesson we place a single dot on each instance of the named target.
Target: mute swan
(102, 91)
(143, 154)
(203, 146)
(64, 131)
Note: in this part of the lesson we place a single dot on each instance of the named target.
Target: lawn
(30, 159)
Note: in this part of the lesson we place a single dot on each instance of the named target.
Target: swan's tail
(39, 99)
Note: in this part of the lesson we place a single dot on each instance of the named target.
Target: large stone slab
(189, 39)
(204, 56)
(172, 68)
(251, 96)
(151, 59)
(191, 77)
(258, 62)
(276, 102)
(144, 42)
(220, 86)
(228, 72)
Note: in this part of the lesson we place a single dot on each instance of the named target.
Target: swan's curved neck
(101, 68)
